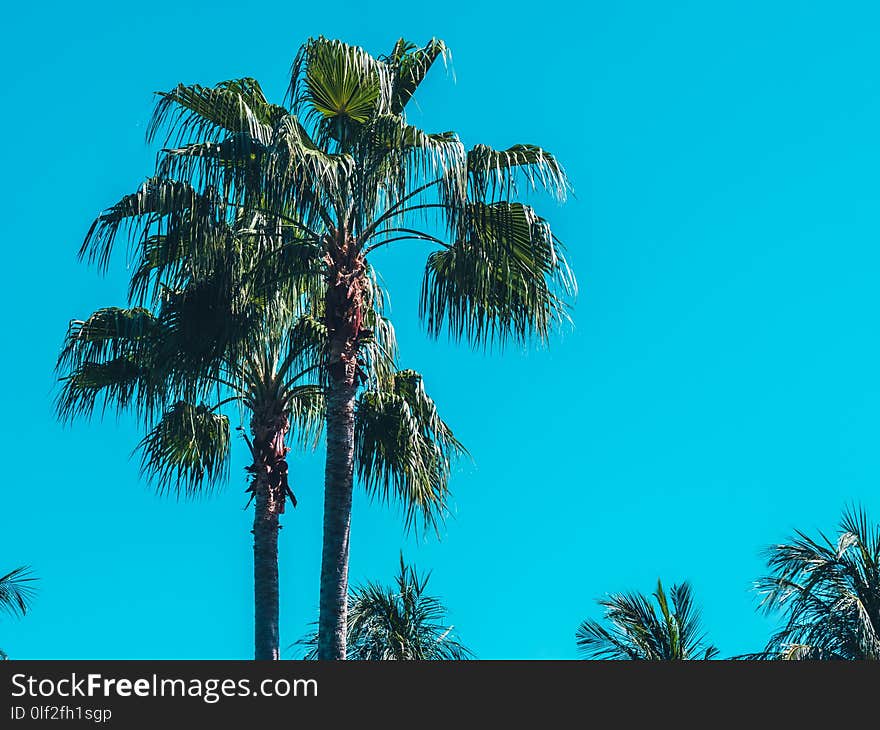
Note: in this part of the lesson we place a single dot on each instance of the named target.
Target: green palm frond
(338, 86)
(17, 591)
(187, 451)
(211, 113)
(107, 334)
(169, 208)
(828, 592)
(91, 386)
(493, 174)
(403, 449)
(633, 628)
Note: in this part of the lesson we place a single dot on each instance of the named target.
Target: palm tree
(16, 593)
(636, 630)
(828, 592)
(345, 172)
(220, 339)
(399, 622)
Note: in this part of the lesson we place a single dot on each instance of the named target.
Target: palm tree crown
(828, 591)
(635, 629)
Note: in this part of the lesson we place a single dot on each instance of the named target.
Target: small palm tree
(16, 593)
(344, 174)
(828, 591)
(636, 631)
(399, 622)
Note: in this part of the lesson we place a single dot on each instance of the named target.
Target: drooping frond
(504, 277)
(114, 384)
(198, 113)
(403, 449)
(306, 408)
(400, 158)
(187, 451)
(164, 207)
(109, 333)
(17, 591)
(492, 174)
(634, 629)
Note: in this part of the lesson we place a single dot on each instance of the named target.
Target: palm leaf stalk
(828, 592)
(635, 628)
(345, 174)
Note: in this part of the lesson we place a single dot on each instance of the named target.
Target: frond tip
(403, 449)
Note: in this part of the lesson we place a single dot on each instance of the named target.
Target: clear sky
(719, 386)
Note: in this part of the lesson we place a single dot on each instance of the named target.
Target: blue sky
(718, 388)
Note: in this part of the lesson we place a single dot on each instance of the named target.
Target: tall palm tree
(635, 629)
(223, 339)
(828, 591)
(345, 171)
(399, 622)
(16, 593)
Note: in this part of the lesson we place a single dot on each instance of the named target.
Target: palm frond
(17, 591)
(187, 451)
(828, 593)
(410, 64)
(403, 449)
(195, 112)
(493, 174)
(400, 622)
(636, 630)
(505, 277)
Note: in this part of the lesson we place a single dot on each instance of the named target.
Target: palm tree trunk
(270, 489)
(343, 312)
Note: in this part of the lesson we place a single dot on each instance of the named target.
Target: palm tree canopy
(634, 628)
(343, 161)
(162, 366)
(399, 622)
(828, 592)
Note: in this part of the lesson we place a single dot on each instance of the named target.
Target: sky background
(718, 388)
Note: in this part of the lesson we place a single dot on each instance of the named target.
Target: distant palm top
(828, 592)
(635, 630)
(399, 622)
